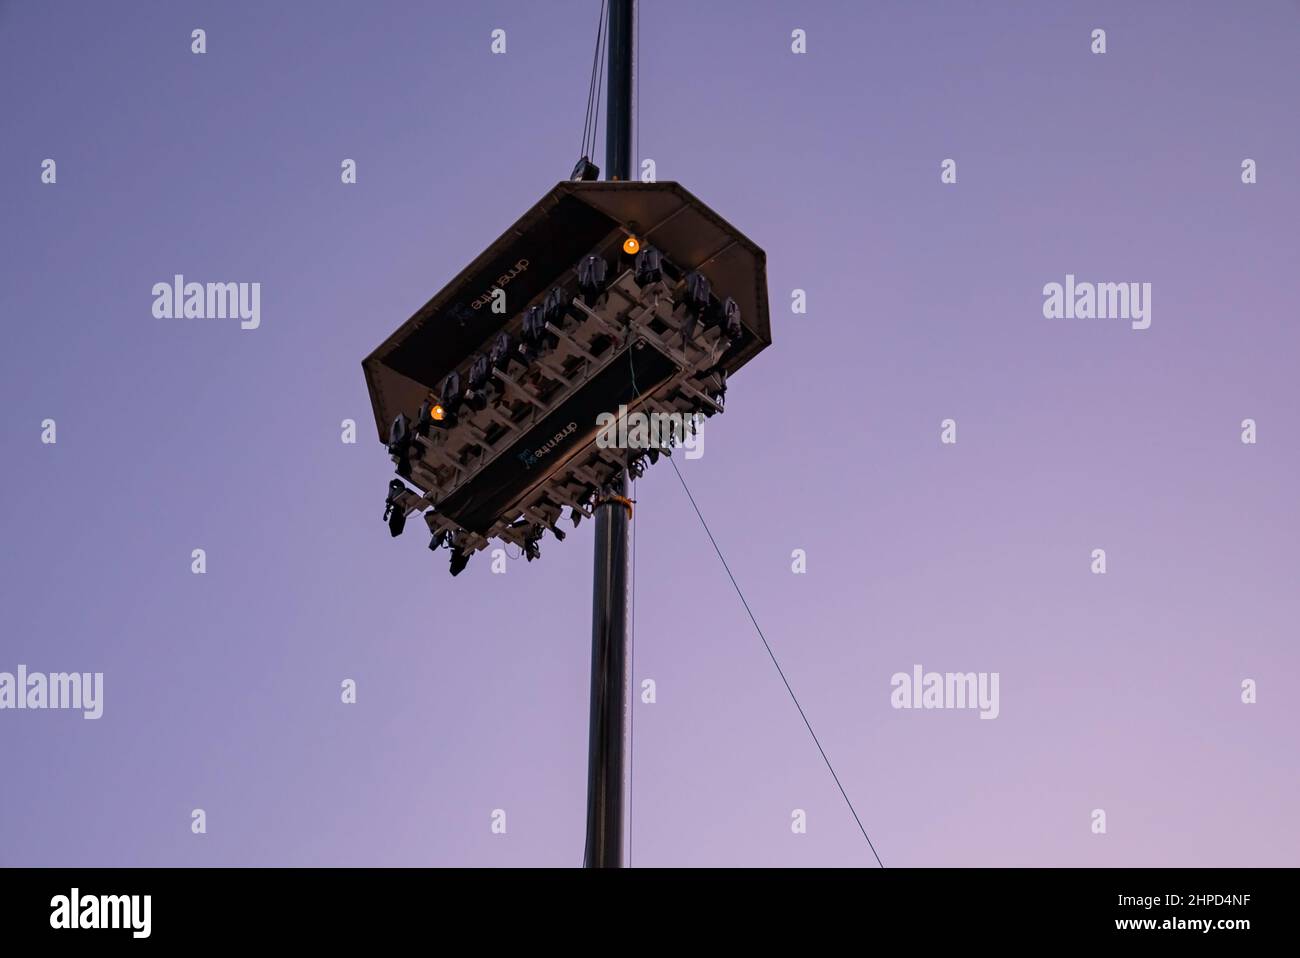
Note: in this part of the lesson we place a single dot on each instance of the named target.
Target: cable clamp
(622, 500)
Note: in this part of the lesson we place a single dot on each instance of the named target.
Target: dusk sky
(1120, 691)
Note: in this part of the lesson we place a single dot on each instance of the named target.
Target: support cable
(593, 89)
(600, 75)
(636, 392)
(772, 656)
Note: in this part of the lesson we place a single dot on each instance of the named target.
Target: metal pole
(609, 590)
(608, 684)
(618, 105)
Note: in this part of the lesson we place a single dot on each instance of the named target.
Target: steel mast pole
(618, 105)
(605, 765)
(609, 679)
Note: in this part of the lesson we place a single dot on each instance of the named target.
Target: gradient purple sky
(222, 691)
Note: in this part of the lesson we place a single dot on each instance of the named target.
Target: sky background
(222, 691)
